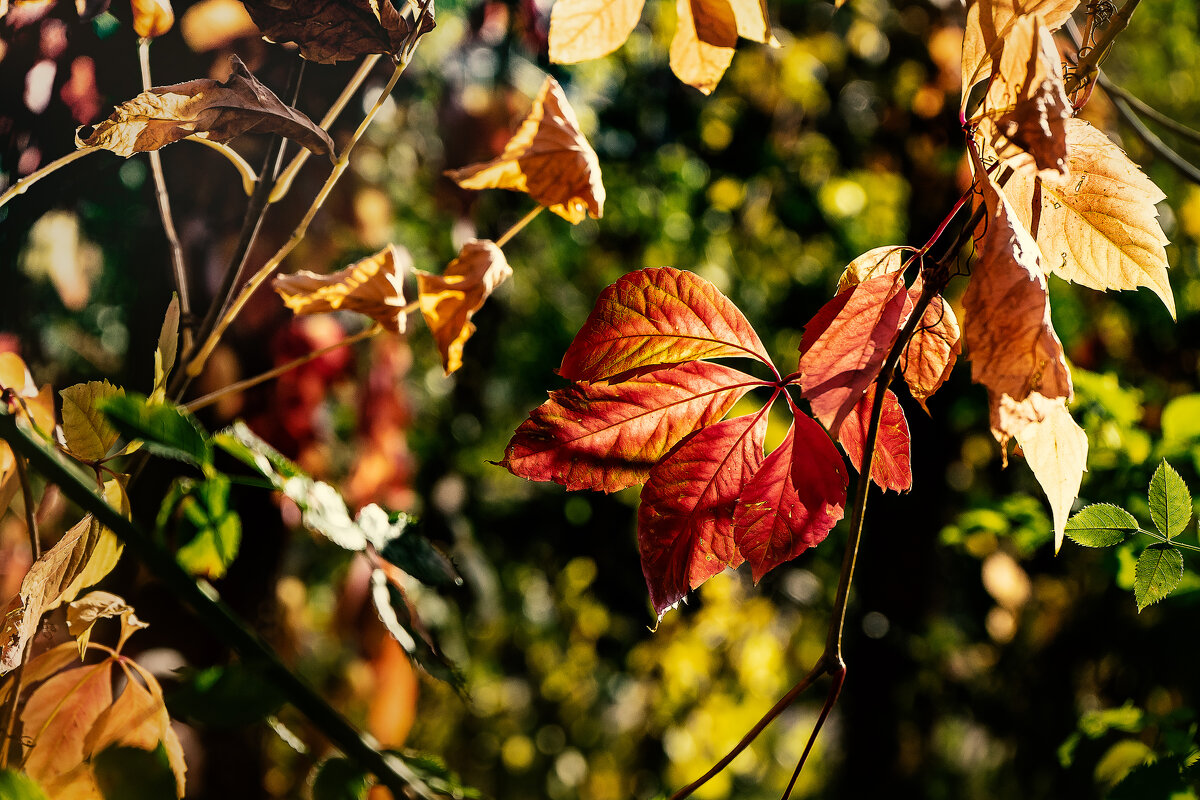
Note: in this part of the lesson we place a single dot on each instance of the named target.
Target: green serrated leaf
(88, 434)
(16, 785)
(1170, 501)
(166, 429)
(1101, 525)
(1159, 570)
(340, 779)
(164, 354)
(130, 773)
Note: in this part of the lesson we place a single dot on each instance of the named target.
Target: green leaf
(164, 354)
(1101, 525)
(407, 549)
(1170, 501)
(19, 786)
(167, 430)
(340, 779)
(240, 442)
(130, 773)
(433, 772)
(1159, 570)
(88, 435)
(218, 530)
(230, 696)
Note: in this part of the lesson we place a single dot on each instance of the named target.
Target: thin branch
(35, 549)
(1184, 167)
(1148, 111)
(1089, 63)
(835, 690)
(22, 186)
(507, 236)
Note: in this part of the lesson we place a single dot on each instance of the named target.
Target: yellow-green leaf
(88, 435)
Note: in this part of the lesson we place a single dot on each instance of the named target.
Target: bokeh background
(980, 664)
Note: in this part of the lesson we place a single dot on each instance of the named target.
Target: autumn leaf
(166, 351)
(990, 23)
(1055, 448)
(57, 718)
(585, 29)
(1100, 229)
(88, 434)
(704, 42)
(845, 344)
(685, 521)
(448, 301)
(891, 468)
(658, 316)
(873, 263)
(793, 500)
(205, 109)
(1024, 114)
(33, 408)
(608, 436)
(84, 613)
(931, 353)
(328, 31)
(152, 18)
(547, 158)
(373, 286)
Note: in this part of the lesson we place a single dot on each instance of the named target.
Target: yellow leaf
(164, 354)
(33, 408)
(548, 158)
(586, 29)
(84, 613)
(989, 22)
(1056, 449)
(880, 261)
(88, 435)
(40, 668)
(703, 45)
(373, 286)
(448, 301)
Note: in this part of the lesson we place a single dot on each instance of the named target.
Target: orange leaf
(58, 716)
(933, 349)
(704, 41)
(891, 468)
(548, 158)
(448, 301)
(373, 286)
(586, 29)
(880, 261)
(989, 23)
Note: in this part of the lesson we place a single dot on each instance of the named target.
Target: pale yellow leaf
(88, 435)
(1056, 449)
(989, 23)
(448, 301)
(880, 261)
(373, 286)
(753, 22)
(84, 613)
(586, 29)
(702, 48)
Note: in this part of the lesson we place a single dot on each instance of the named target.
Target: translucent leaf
(88, 434)
(218, 530)
(1170, 501)
(448, 301)
(1101, 525)
(84, 613)
(164, 428)
(165, 353)
(373, 286)
(1159, 570)
(585, 29)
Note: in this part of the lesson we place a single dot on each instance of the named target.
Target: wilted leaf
(548, 158)
(152, 18)
(408, 550)
(1100, 228)
(931, 353)
(1101, 525)
(164, 428)
(685, 522)
(607, 436)
(1158, 571)
(586, 29)
(84, 613)
(891, 468)
(1170, 501)
(168, 348)
(846, 343)
(328, 31)
(989, 24)
(205, 109)
(872, 264)
(88, 435)
(655, 317)
(373, 286)
(1023, 117)
(794, 499)
(1056, 449)
(448, 301)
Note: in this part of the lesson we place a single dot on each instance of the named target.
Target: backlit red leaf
(685, 523)
(892, 466)
(845, 344)
(607, 436)
(658, 316)
(793, 501)
(933, 349)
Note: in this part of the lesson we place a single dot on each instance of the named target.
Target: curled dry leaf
(586, 29)
(328, 31)
(373, 286)
(1100, 228)
(548, 158)
(990, 22)
(152, 18)
(448, 301)
(166, 351)
(206, 109)
(84, 613)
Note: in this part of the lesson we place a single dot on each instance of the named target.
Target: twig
(164, 209)
(35, 549)
(835, 690)
(1089, 63)
(1184, 167)
(507, 236)
(1148, 111)
(22, 186)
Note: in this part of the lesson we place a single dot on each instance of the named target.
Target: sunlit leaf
(891, 468)
(397, 616)
(584, 29)
(933, 350)
(373, 286)
(1159, 570)
(704, 42)
(990, 22)
(328, 31)
(84, 613)
(58, 717)
(448, 301)
(218, 529)
(1101, 525)
(164, 354)
(88, 434)
(873, 263)
(1056, 448)
(1170, 501)
(164, 428)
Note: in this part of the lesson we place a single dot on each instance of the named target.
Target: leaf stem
(835, 690)
(1173, 542)
(35, 550)
(1184, 167)
(245, 171)
(1089, 63)
(164, 208)
(1147, 110)
(22, 186)
(507, 236)
(240, 386)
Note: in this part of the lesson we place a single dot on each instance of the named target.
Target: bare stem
(35, 549)
(1089, 63)
(240, 386)
(835, 690)
(507, 236)
(22, 186)
(164, 209)
(284, 182)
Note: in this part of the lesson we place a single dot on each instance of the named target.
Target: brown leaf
(152, 18)
(373, 286)
(548, 158)
(1023, 117)
(448, 301)
(586, 29)
(933, 350)
(1010, 338)
(328, 31)
(1100, 228)
(989, 23)
(85, 612)
(205, 109)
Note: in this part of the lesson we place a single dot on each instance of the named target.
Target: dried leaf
(685, 522)
(891, 468)
(584, 29)
(88, 435)
(704, 42)
(655, 317)
(873, 263)
(84, 613)
(989, 24)
(548, 158)
(1011, 341)
(205, 109)
(328, 31)
(933, 349)
(1023, 117)
(608, 436)
(448, 301)
(152, 18)
(1100, 228)
(1056, 449)
(168, 348)
(373, 286)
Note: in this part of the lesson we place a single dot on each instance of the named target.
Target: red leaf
(658, 316)
(793, 501)
(685, 523)
(892, 466)
(607, 436)
(845, 344)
